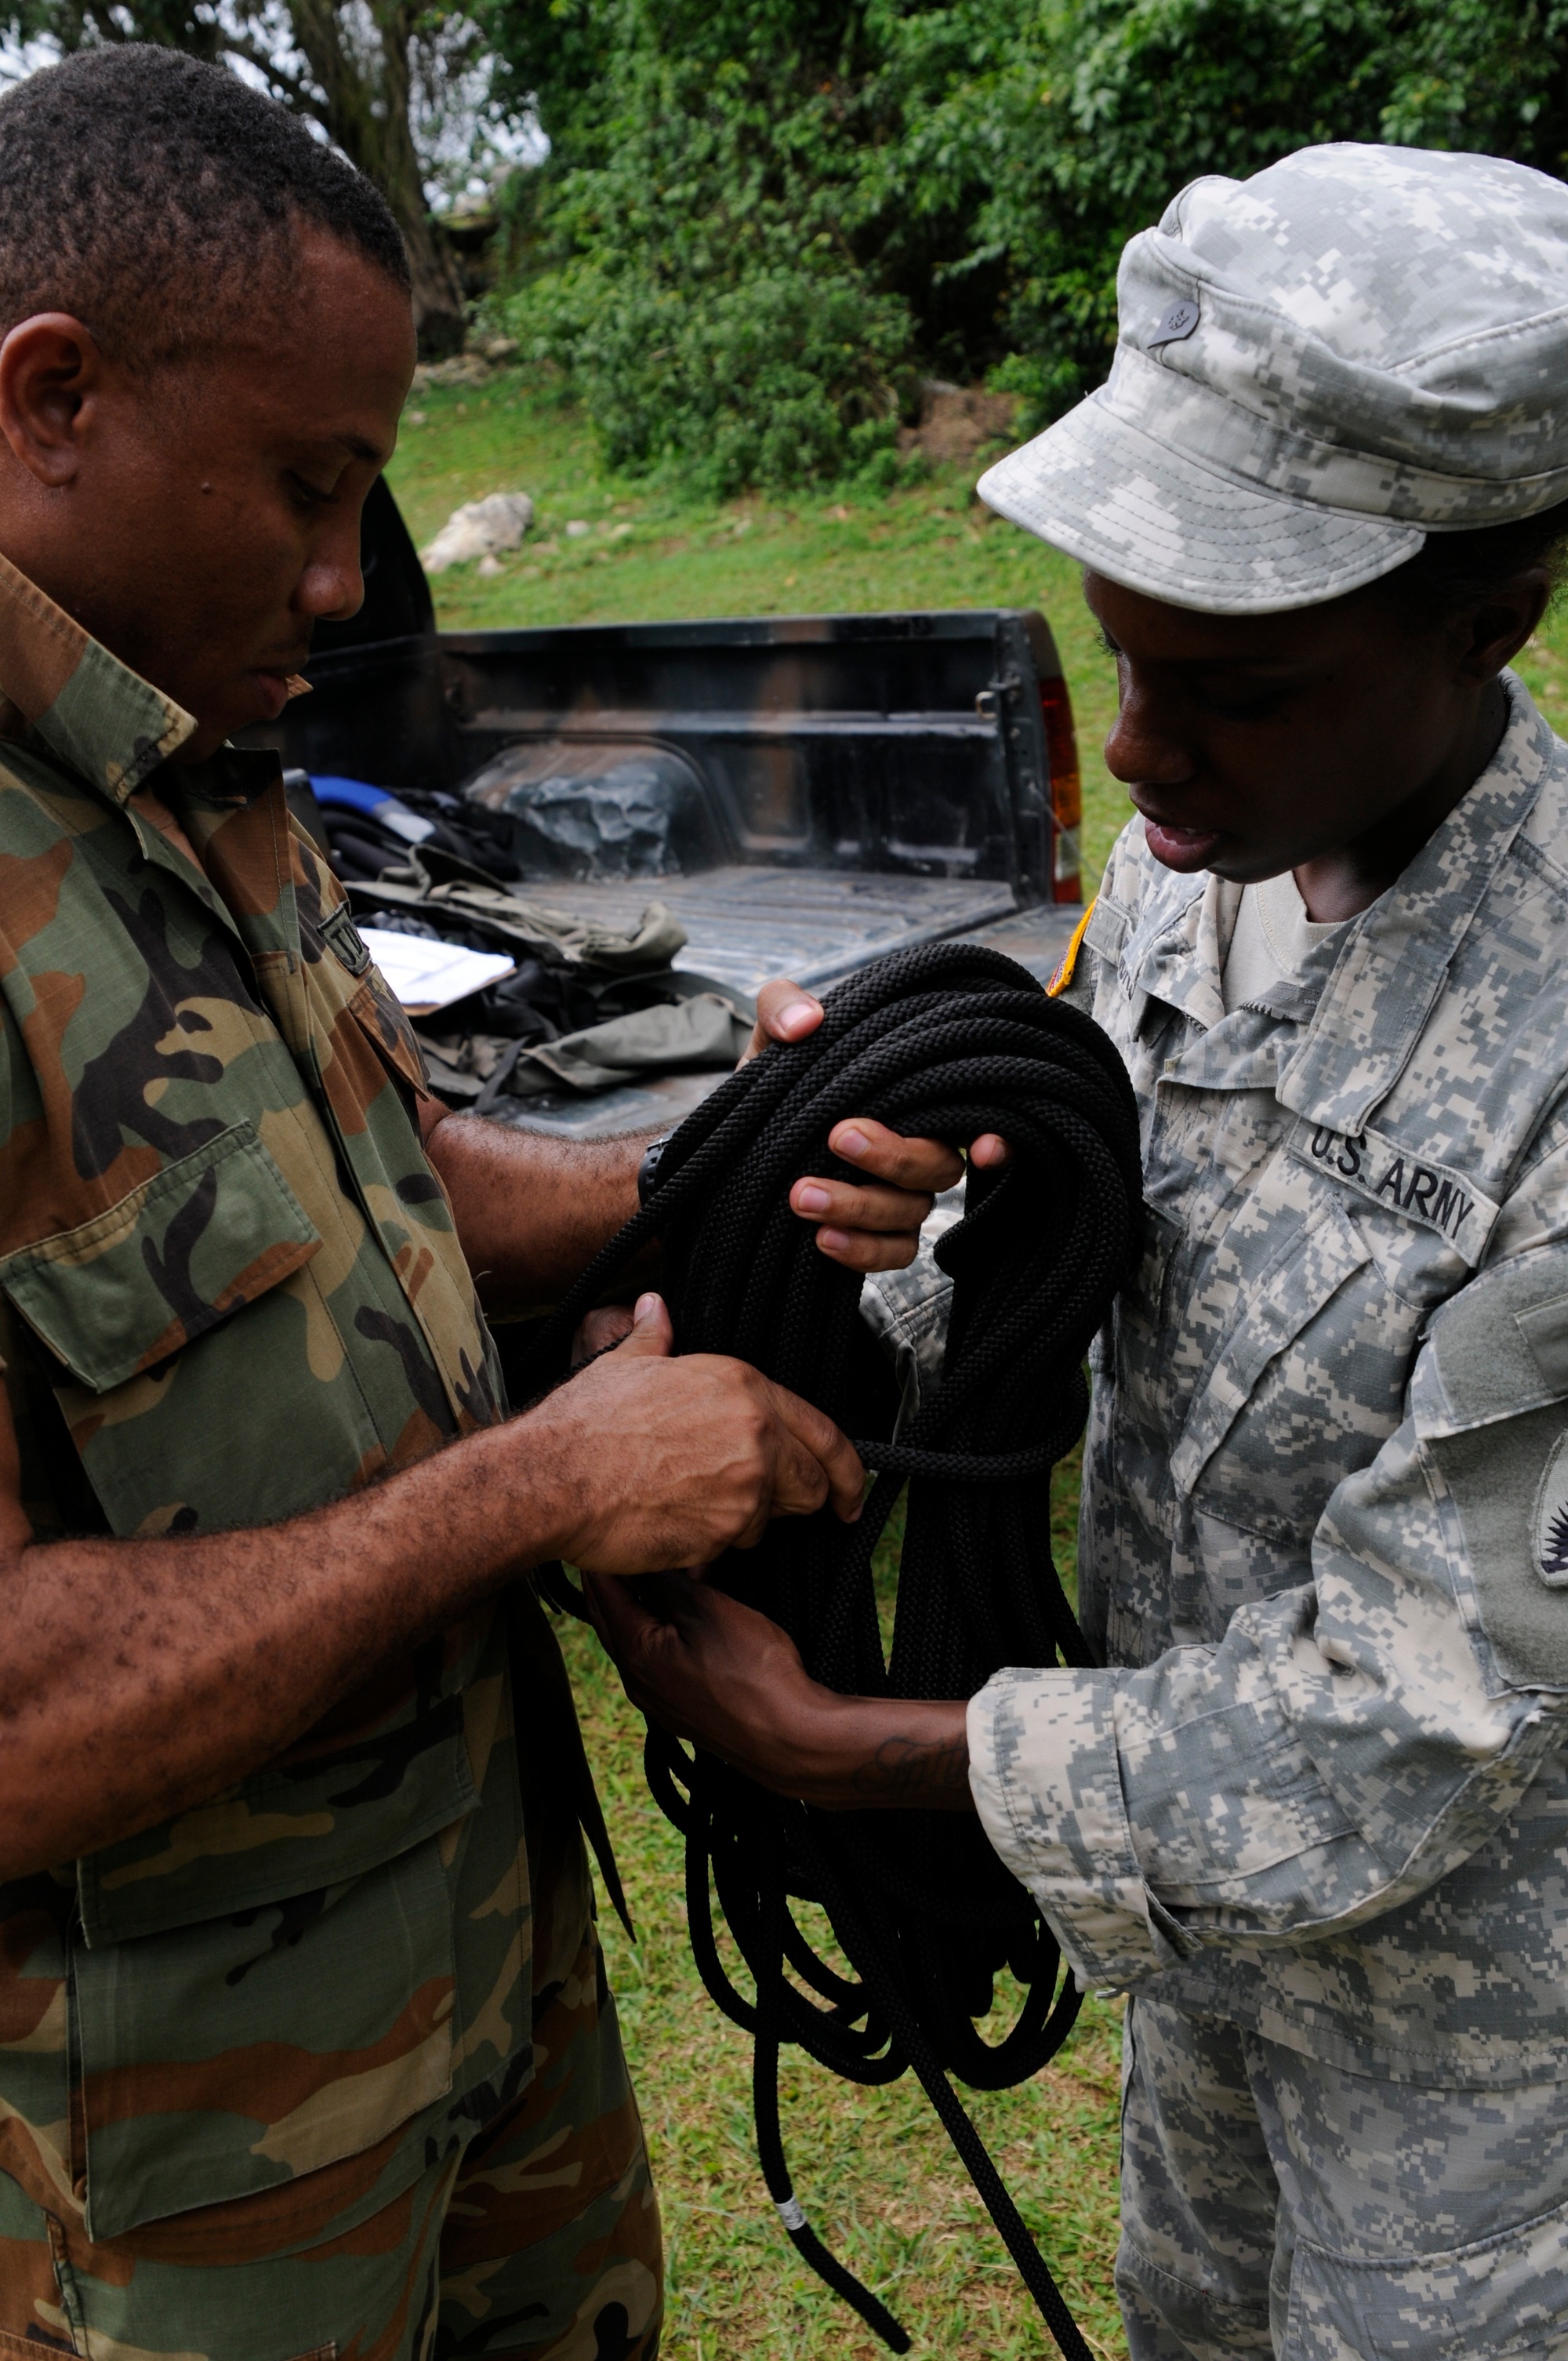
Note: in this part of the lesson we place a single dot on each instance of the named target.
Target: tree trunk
(439, 315)
(367, 116)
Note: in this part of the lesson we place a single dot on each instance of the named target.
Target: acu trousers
(1275, 2206)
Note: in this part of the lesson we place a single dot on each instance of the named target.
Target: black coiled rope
(945, 1041)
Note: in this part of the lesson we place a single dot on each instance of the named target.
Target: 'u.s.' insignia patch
(1550, 1525)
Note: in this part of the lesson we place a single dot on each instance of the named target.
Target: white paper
(426, 975)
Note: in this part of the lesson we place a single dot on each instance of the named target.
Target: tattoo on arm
(902, 1769)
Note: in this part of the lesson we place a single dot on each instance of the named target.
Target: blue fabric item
(379, 803)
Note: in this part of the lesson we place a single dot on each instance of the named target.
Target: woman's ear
(1490, 635)
(50, 372)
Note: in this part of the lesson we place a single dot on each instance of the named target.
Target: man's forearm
(143, 1677)
(532, 1212)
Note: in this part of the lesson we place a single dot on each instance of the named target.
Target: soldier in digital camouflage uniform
(1314, 1814)
(305, 2045)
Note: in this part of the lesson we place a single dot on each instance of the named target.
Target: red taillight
(1067, 790)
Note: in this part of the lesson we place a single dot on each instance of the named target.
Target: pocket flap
(122, 1292)
(1289, 1293)
(281, 1834)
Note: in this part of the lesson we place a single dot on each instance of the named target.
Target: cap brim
(1142, 514)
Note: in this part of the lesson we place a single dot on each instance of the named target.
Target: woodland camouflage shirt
(231, 1290)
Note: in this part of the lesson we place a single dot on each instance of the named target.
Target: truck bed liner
(745, 924)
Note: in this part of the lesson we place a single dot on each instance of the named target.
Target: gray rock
(478, 529)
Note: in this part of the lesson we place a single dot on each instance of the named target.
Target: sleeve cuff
(1047, 1782)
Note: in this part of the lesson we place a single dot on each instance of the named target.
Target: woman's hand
(873, 1224)
(712, 1670)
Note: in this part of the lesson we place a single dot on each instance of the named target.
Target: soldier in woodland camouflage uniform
(182, 1140)
(1313, 1813)
(305, 2047)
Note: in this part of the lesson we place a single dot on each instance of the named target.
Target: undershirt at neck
(1271, 940)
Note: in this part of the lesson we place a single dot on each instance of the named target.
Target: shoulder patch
(343, 939)
(1549, 1526)
(1503, 1504)
(1389, 1175)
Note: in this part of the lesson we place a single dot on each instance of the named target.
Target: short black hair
(1452, 571)
(148, 192)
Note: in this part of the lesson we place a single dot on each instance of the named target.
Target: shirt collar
(1173, 950)
(98, 717)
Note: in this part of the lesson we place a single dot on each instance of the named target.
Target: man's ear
(51, 371)
(1494, 632)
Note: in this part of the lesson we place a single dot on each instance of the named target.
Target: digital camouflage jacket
(1322, 1789)
(230, 1290)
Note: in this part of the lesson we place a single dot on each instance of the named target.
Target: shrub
(761, 220)
(777, 376)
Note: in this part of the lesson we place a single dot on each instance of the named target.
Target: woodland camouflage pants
(539, 2239)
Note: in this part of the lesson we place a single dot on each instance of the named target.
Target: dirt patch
(957, 421)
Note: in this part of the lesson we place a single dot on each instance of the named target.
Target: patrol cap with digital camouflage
(1316, 368)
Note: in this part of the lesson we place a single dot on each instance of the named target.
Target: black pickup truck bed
(805, 792)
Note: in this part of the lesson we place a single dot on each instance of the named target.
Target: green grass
(873, 2170)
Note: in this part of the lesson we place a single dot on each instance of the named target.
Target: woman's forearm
(858, 1754)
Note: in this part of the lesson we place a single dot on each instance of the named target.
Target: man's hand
(676, 1460)
(712, 1670)
(873, 1225)
(141, 1676)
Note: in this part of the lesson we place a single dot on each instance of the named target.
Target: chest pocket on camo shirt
(137, 1284)
(187, 1320)
(1304, 1364)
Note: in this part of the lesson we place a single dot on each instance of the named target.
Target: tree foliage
(762, 221)
(691, 252)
